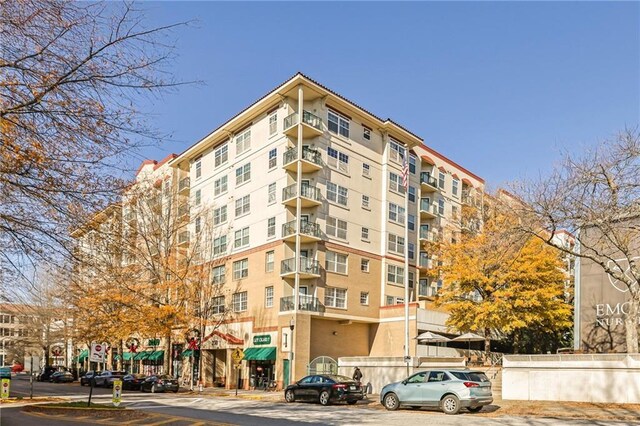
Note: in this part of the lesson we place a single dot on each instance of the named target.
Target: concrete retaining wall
(586, 378)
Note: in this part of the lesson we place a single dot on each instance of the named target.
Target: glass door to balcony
(304, 297)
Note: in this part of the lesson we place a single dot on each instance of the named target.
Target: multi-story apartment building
(309, 219)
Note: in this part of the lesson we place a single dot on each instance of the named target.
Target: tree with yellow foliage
(498, 281)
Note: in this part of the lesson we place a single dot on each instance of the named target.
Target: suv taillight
(471, 384)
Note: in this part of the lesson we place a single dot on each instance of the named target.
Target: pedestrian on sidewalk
(357, 375)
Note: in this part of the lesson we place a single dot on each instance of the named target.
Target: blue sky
(499, 87)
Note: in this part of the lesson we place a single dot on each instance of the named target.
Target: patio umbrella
(428, 336)
(469, 337)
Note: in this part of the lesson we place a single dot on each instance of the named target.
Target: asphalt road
(20, 387)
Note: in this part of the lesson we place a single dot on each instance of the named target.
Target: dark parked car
(133, 381)
(106, 378)
(61, 377)
(86, 378)
(156, 383)
(46, 372)
(325, 389)
(5, 372)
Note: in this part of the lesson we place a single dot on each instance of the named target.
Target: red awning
(428, 159)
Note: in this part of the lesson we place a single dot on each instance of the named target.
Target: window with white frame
(271, 198)
(269, 261)
(243, 142)
(220, 215)
(243, 205)
(364, 265)
(221, 155)
(441, 180)
(217, 305)
(218, 274)
(396, 151)
(337, 194)
(335, 297)
(365, 202)
(395, 183)
(411, 222)
(411, 279)
(412, 194)
(337, 123)
(390, 300)
(366, 170)
(273, 123)
(243, 174)
(366, 133)
(399, 300)
(364, 298)
(412, 164)
(239, 301)
(198, 162)
(337, 160)
(271, 227)
(197, 199)
(365, 234)
(336, 227)
(412, 250)
(454, 212)
(395, 243)
(240, 269)
(268, 297)
(273, 158)
(454, 187)
(396, 213)
(336, 262)
(198, 224)
(441, 206)
(395, 274)
(220, 186)
(220, 245)
(241, 238)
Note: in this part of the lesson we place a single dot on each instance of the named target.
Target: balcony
(309, 232)
(311, 125)
(427, 235)
(424, 261)
(305, 303)
(426, 290)
(311, 160)
(309, 268)
(183, 238)
(184, 184)
(183, 211)
(428, 210)
(309, 197)
(428, 183)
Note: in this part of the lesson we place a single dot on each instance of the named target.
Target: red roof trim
(453, 163)
(227, 337)
(427, 159)
(144, 163)
(164, 160)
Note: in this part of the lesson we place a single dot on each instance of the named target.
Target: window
(364, 298)
(412, 250)
(364, 265)
(412, 194)
(399, 300)
(336, 227)
(241, 269)
(454, 212)
(412, 164)
(395, 274)
(220, 245)
(220, 186)
(366, 170)
(390, 300)
(218, 274)
(198, 162)
(396, 151)
(273, 123)
(243, 142)
(271, 198)
(365, 234)
(338, 160)
(198, 197)
(268, 297)
(395, 243)
(366, 133)
(338, 124)
(217, 305)
(243, 205)
(241, 238)
(396, 213)
(239, 301)
(243, 174)
(412, 223)
(198, 225)
(220, 215)
(221, 155)
(337, 194)
(365, 202)
(411, 279)
(336, 262)
(441, 206)
(273, 158)
(271, 227)
(454, 186)
(269, 261)
(395, 183)
(441, 180)
(335, 297)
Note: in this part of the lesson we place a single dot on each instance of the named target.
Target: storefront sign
(154, 342)
(263, 339)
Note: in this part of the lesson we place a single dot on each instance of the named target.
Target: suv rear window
(473, 376)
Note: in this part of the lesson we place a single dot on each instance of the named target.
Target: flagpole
(405, 176)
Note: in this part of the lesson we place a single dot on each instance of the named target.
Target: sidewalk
(499, 408)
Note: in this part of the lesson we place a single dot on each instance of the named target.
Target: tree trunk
(487, 342)
(167, 355)
(631, 323)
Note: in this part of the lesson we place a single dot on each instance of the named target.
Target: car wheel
(352, 401)
(289, 396)
(474, 409)
(324, 398)
(391, 402)
(450, 404)
(153, 388)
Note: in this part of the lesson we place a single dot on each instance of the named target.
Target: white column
(297, 259)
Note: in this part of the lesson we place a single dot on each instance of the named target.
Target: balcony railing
(305, 303)
(427, 290)
(307, 191)
(307, 118)
(183, 237)
(308, 154)
(307, 266)
(307, 228)
(427, 234)
(427, 206)
(183, 210)
(184, 184)
(426, 178)
(424, 261)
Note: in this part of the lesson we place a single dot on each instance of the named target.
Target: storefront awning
(260, 354)
(142, 355)
(155, 356)
(126, 356)
(83, 355)
(187, 353)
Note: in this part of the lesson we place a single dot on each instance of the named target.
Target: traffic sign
(98, 352)
(5, 388)
(117, 392)
(237, 355)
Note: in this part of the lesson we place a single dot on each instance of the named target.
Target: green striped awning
(142, 355)
(83, 355)
(127, 356)
(155, 356)
(260, 354)
(186, 353)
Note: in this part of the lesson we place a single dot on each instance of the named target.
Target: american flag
(405, 171)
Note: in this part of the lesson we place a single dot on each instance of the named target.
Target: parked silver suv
(446, 389)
